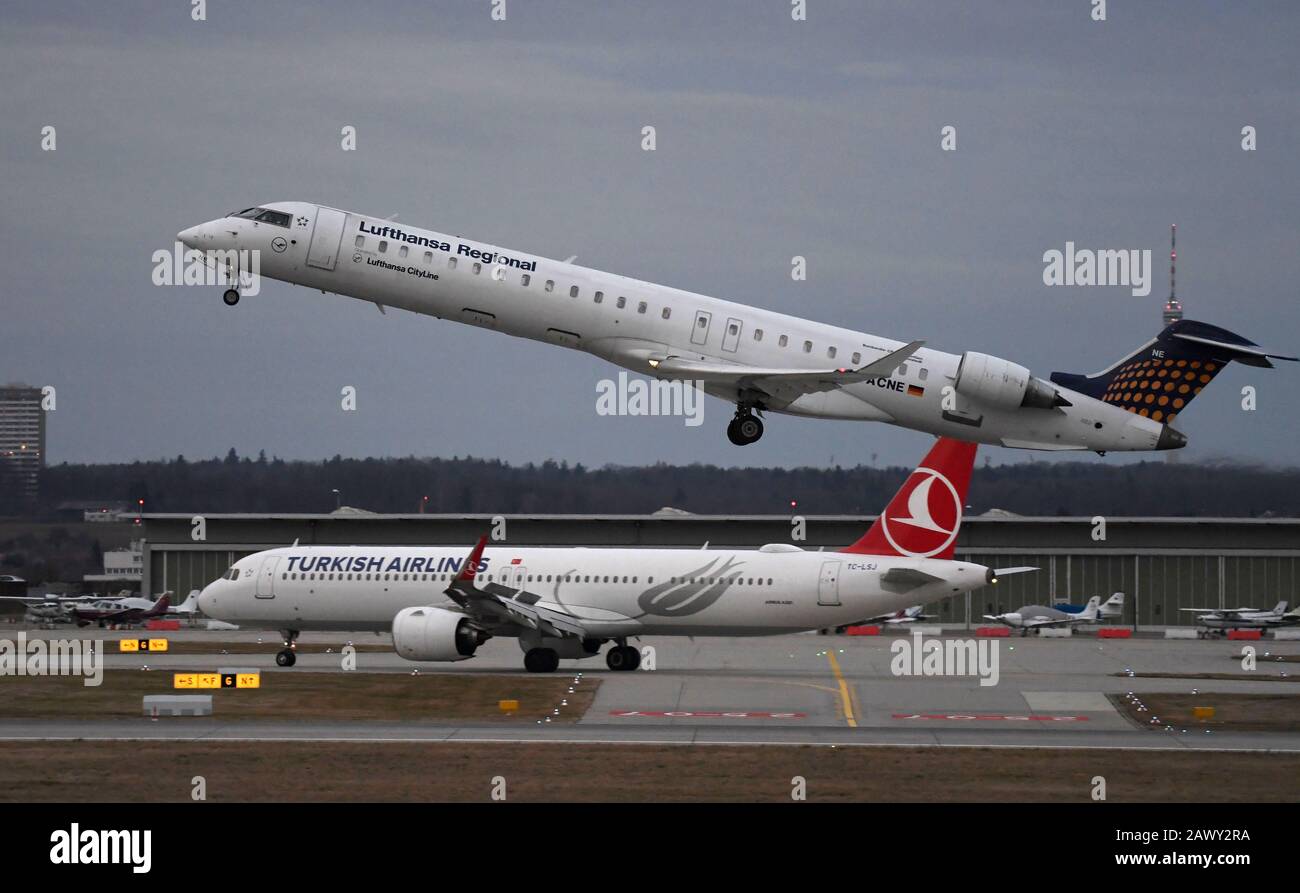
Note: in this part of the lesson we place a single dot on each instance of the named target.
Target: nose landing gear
(287, 657)
(231, 297)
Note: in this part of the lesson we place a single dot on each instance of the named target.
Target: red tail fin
(470, 568)
(160, 606)
(923, 518)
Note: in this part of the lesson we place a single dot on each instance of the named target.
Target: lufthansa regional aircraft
(568, 602)
(759, 360)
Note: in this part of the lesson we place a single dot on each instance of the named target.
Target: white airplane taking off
(568, 602)
(759, 360)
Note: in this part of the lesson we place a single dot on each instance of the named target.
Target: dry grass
(298, 695)
(108, 771)
(1233, 712)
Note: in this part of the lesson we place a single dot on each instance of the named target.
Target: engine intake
(435, 634)
(1003, 384)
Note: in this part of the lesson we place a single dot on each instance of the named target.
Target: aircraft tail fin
(160, 606)
(1092, 610)
(1161, 377)
(923, 518)
(1281, 607)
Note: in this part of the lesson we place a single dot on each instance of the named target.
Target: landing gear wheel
(541, 660)
(231, 297)
(744, 429)
(285, 658)
(623, 658)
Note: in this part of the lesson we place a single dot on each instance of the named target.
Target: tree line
(472, 485)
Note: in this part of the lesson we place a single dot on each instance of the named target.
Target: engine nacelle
(434, 634)
(1003, 384)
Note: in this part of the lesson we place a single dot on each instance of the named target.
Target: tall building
(22, 439)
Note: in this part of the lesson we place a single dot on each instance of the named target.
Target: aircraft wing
(770, 379)
(501, 604)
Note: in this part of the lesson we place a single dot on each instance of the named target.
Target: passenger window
(428, 257)
(361, 241)
(783, 341)
(403, 251)
(478, 268)
(668, 311)
(573, 292)
(857, 358)
(451, 263)
(733, 328)
(807, 347)
(525, 279)
(830, 352)
(758, 334)
(902, 371)
(383, 247)
(923, 374)
(622, 302)
(640, 307)
(598, 297)
(550, 285)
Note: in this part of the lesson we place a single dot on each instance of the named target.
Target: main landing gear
(745, 428)
(287, 657)
(623, 656)
(541, 660)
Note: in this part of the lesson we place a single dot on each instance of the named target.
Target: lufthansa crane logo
(929, 521)
(279, 244)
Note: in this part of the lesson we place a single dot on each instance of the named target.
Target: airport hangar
(1161, 564)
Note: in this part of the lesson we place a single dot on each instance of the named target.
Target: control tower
(1173, 309)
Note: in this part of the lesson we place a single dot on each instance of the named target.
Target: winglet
(470, 568)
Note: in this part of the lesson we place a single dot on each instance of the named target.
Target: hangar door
(325, 238)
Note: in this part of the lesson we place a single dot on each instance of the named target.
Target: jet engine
(435, 634)
(1003, 384)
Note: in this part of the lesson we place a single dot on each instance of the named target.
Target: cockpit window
(232, 574)
(265, 215)
(279, 218)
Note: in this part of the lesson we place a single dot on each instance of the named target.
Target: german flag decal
(915, 391)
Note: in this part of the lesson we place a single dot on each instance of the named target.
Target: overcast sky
(775, 138)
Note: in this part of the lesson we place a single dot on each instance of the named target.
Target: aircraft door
(828, 587)
(325, 238)
(517, 577)
(700, 331)
(731, 337)
(266, 577)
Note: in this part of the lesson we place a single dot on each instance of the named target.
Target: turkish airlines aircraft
(568, 602)
(757, 359)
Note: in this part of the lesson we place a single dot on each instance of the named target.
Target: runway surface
(800, 689)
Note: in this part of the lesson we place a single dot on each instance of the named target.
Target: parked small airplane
(908, 615)
(123, 611)
(1032, 617)
(1243, 618)
(52, 608)
(1111, 609)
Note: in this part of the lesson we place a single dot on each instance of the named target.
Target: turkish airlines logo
(929, 521)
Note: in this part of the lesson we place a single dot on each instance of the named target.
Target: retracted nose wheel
(231, 297)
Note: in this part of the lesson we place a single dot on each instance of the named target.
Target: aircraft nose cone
(188, 237)
(207, 601)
